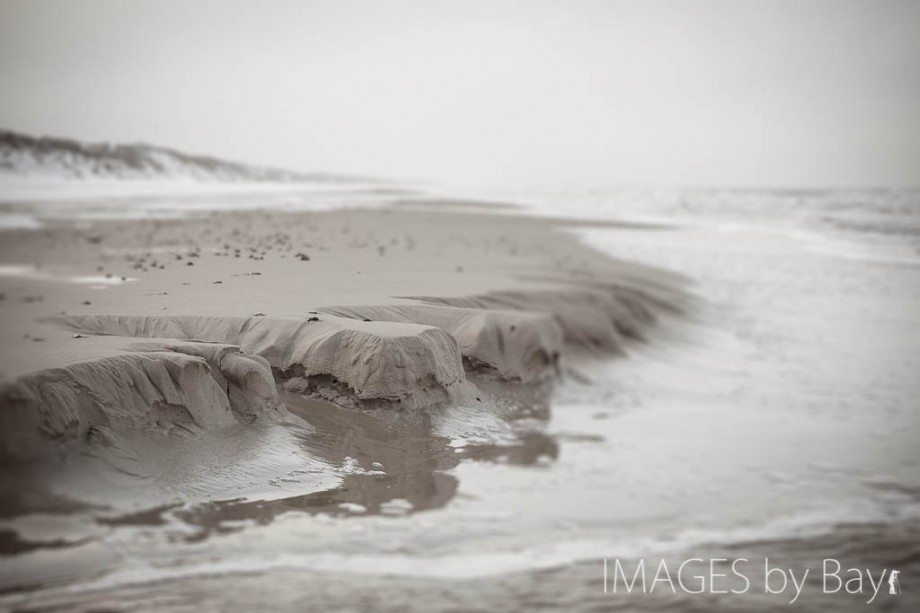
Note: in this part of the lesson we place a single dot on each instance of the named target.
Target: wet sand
(773, 414)
(283, 361)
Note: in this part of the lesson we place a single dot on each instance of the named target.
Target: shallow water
(779, 421)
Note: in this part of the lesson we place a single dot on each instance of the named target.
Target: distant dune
(30, 156)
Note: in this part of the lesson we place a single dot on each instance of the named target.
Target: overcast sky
(757, 92)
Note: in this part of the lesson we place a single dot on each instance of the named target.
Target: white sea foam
(466, 566)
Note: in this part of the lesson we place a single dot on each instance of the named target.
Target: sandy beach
(188, 327)
(480, 306)
(545, 390)
(116, 279)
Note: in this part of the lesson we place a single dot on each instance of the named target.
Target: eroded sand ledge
(406, 356)
(215, 370)
(516, 345)
(406, 364)
(181, 385)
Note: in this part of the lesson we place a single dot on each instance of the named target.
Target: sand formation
(171, 385)
(516, 345)
(210, 372)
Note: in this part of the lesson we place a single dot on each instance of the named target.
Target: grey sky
(603, 92)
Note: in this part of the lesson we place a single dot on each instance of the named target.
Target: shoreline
(507, 300)
(738, 416)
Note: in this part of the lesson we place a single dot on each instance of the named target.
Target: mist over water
(590, 92)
